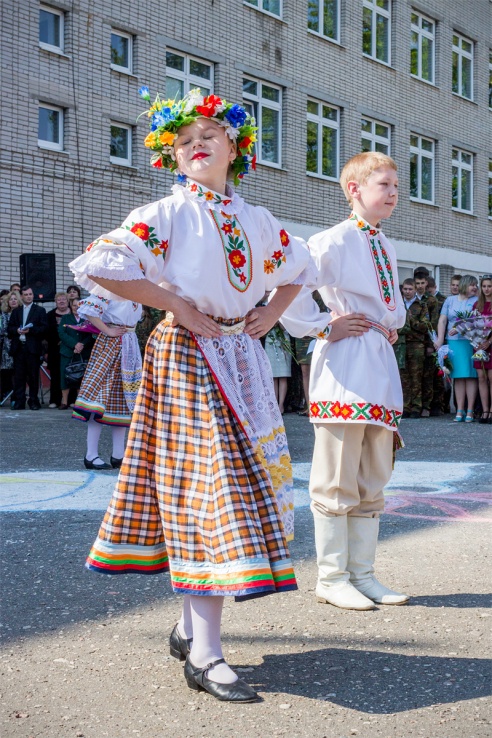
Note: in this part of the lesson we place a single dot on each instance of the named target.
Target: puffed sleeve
(303, 316)
(135, 250)
(93, 306)
(286, 258)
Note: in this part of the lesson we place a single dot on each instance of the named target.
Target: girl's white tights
(201, 620)
(94, 433)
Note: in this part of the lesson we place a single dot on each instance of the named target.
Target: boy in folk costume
(355, 389)
(205, 487)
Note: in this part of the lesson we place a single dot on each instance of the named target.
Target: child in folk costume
(205, 488)
(109, 388)
(355, 389)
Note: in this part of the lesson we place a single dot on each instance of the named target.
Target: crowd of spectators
(33, 340)
(30, 337)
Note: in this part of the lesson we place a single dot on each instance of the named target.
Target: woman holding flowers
(463, 372)
(484, 368)
(205, 487)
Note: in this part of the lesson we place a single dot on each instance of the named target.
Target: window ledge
(378, 61)
(423, 202)
(325, 38)
(425, 81)
(123, 166)
(271, 165)
(464, 212)
(264, 12)
(53, 50)
(323, 177)
(462, 97)
(52, 150)
(124, 71)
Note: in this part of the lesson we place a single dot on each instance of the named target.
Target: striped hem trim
(124, 559)
(247, 578)
(83, 411)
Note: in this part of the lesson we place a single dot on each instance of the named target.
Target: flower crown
(168, 116)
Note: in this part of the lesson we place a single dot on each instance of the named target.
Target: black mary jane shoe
(179, 647)
(238, 691)
(98, 467)
(115, 463)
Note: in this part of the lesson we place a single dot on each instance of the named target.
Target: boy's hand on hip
(348, 326)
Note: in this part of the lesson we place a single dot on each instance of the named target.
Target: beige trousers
(352, 463)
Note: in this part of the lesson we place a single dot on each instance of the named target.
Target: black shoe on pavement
(115, 463)
(14, 405)
(405, 414)
(35, 406)
(238, 691)
(98, 466)
(435, 412)
(179, 647)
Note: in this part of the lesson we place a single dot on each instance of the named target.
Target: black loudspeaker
(38, 271)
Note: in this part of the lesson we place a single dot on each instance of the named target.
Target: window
(120, 151)
(423, 36)
(183, 73)
(375, 136)
(121, 52)
(324, 18)
(376, 29)
(490, 188)
(51, 28)
(322, 145)
(264, 102)
(273, 7)
(421, 168)
(462, 181)
(50, 127)
(490, 80)
(462, 66)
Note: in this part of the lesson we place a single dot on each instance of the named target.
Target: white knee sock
(185, 625)
(93, 433)
(206, 615)
(118, 442)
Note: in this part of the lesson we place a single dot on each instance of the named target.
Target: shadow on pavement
(372, 682)
(461, 600)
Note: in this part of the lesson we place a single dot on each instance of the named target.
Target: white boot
(332, 553)
(362, 541)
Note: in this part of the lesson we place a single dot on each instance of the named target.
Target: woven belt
(228, 326)
(129, 328)
(379, 328)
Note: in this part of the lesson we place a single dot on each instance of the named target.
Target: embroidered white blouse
(354, 379)
(216, 251)
(119, 312)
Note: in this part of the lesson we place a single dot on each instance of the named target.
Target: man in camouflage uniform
(421, 275)
(415, 332)
(439, 404)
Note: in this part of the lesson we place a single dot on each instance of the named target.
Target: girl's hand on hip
(259, 321)
(196, 322)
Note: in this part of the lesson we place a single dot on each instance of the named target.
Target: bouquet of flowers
(444, 363)
(476, 328)
(279, 340)
(85, 327)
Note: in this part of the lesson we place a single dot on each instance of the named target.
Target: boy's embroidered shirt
(355, 379)
(214, 250)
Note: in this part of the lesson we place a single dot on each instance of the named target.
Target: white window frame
(258, 5)
(260, 103)
(129, 37)
(490, 80)
(422, 33)
(189, 80)
(490, 187)
(463, 55)
(424, 153)
(61, 121)
(376, 10)
(116, 159)
(50, 47)
(323, 122)
(320, 33)
(373, 137)
(462, 166)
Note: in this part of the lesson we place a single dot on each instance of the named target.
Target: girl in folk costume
(205, 487)
(109, 387)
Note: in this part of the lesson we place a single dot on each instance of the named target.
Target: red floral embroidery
(277, 255)
(284, 238)
(236, 258)
(193, 187)
(227, 227)
(141, 230)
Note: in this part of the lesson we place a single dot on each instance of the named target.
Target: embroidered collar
(363, 225)
(230, 202)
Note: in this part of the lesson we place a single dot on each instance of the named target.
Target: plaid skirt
(193, 496)
(101, 391)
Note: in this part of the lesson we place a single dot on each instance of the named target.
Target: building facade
(324, 78)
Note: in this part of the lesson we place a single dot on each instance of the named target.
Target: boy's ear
(353, 190)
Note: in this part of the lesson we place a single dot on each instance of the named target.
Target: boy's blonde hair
(360, 167)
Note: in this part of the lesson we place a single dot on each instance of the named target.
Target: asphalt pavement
(86, 655)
